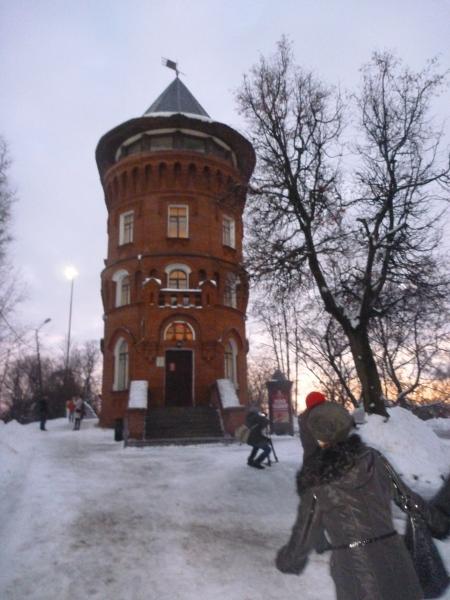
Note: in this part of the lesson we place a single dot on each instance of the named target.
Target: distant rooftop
(176, 98)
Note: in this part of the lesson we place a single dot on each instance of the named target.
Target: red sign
(280, 407)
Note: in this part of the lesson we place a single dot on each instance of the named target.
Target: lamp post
(36, 332)
(70, 273)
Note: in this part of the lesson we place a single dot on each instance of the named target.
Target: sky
(88, 518)
(71, 70)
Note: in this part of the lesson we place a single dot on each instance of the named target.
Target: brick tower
(173, 288)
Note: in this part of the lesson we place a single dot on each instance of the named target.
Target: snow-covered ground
(82, 517)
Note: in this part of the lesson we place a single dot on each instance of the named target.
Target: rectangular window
(229, 365)
(162, 142)
(230, 296)
(228, 232)
(126, 228)
(122, 377)
(125, 291)
(177, 225)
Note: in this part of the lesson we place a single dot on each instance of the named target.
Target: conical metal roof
(176, 98)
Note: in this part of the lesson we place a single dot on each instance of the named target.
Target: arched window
(120, 365)
(177, 276)
(179, 331)
(123, 288)
(230, 362)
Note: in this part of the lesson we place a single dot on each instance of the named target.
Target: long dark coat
(442, 502)
(346, 491)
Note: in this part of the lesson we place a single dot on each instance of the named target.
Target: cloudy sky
(70, 70)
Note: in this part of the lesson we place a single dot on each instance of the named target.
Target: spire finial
(171, 64)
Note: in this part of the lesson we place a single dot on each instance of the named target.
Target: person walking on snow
(345, 492)
(257, 422)
(43, 411)
(79, 412)
(70, 407)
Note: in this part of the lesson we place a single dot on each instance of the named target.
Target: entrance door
(178, 378)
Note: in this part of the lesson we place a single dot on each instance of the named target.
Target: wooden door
(178, 378)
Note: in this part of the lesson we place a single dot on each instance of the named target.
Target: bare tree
(22, 384)
(85, 362)
(10, 293)
(21, 381)
(277, 311)
(358, 222)
(411, 344)
(260, 370)
(324, 351)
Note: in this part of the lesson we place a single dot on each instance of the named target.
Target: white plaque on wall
(138, 394)
(160, 362)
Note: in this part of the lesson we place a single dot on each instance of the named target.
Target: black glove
(286, 563)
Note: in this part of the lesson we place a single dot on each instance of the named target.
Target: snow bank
(439, 426)
(410, 444)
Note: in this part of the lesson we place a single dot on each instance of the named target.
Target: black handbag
(428, 564)
(427, 561)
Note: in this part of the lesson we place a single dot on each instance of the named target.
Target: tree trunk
(366, 368)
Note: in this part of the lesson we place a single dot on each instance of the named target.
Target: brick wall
(147, 184)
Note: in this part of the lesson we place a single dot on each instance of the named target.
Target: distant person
(70, 407)
(257, 422)
(309, 443)
(43, 411)
(78, 412)
(345, 492)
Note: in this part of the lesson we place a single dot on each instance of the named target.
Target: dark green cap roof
(176, 98)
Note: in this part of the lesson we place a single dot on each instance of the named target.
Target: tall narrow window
(123, 287)
(230, 362)
(125, 291)
(228, 232)
(121, 365)
(178, 226)
(229, 296)
(126, 228)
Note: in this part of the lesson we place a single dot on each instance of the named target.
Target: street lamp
(70, 273)
(36, 331)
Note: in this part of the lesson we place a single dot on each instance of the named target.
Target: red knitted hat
(314, 398)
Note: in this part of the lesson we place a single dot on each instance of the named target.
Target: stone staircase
(179, 424)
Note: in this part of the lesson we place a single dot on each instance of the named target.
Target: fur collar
(330, 464)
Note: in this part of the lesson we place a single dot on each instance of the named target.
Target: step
(183, 423)
(190, 441)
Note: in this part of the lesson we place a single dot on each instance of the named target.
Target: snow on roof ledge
(227, 393)
(138, 394)
(186, 114)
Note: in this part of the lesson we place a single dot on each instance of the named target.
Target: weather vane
(171, 65)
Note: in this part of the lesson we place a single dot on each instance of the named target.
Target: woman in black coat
(346, 491)
(442, 502)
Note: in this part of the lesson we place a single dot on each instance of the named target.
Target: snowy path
(88, 519)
